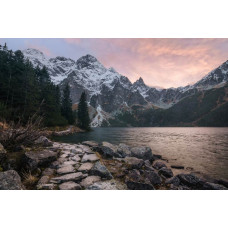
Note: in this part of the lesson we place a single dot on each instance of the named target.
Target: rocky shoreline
(94, 166)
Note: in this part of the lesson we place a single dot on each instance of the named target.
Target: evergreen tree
(83, 113)
(66, 107)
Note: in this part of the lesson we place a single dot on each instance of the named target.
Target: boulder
(190, 180)
(109, 150)
(142, 152)
(133, 163)
(223, 182)
(89, 181)
(158, 165)
(153, 177)
(123, 150)
(68, 177)
(85, 167)
(165, 172)
(177, 166)
(134, 185)
(213, 186)
(70, 185)
(173, 181)
(100, 170)
(89, 158)
(43, 141)
(134, 175)
(65, 170)
(34, 159)
(10, 180)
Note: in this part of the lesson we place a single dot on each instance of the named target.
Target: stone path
(78, 167)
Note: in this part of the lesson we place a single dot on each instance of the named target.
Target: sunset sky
(160, 62)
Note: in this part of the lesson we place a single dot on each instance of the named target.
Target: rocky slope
(110, 92)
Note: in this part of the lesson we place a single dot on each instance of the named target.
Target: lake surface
(203, 149)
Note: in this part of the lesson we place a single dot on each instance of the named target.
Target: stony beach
(93, 166)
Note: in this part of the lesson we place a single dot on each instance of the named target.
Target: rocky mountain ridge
(109, 92)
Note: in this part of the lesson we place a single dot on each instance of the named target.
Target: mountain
(205, 108)
(109, 92)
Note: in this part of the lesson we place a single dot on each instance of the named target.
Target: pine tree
(83, 113)
(66, 107)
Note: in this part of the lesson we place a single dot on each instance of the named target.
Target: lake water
(203, 149)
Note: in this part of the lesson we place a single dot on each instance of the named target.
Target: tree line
(25, 90)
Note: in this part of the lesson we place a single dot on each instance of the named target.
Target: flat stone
(100, 170)
(89, 158)
(48, 172)
(66, 163)
(85, 167)
(76, 158)
(77, 151)
(133, 163)
(70, 185)
(123, 150)
(46, 187)
(142, 152)
(158, 165)
(66, 169)
(89, 181)
(86, 149)
(92, 144)
(107, 185)
(69, 177)
(43, 180)
(10, 180)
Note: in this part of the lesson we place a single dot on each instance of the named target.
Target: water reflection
(204, 149)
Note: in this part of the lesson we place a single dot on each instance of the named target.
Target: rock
(10, 180)
(43, 180)
(142, 152)
(223, 182)
(153, 177)
(133, 163)
(65, 170)
(190, 180)
(158, 165)
(95, 146)
(43, 141)
(173, 181)
(123, 150)
(165, 172)
(157, 157)
(3, 156)
(85, 167)
(77, 151)
(55, 165)
(133, 185)
(76, 158)
(86, 149)
(213, 186)
(48, 172)
(46, 187)
(134, 175)
(89, 158)
(89, 181)
(66, 163)
(177, 167)
(39, 158)
(69, 177)
(100, 170)
(109, 151)
(70, 185)
(107, 185)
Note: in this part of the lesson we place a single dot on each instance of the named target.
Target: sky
(162, 63)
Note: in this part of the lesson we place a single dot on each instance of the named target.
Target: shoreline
(101, 166)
